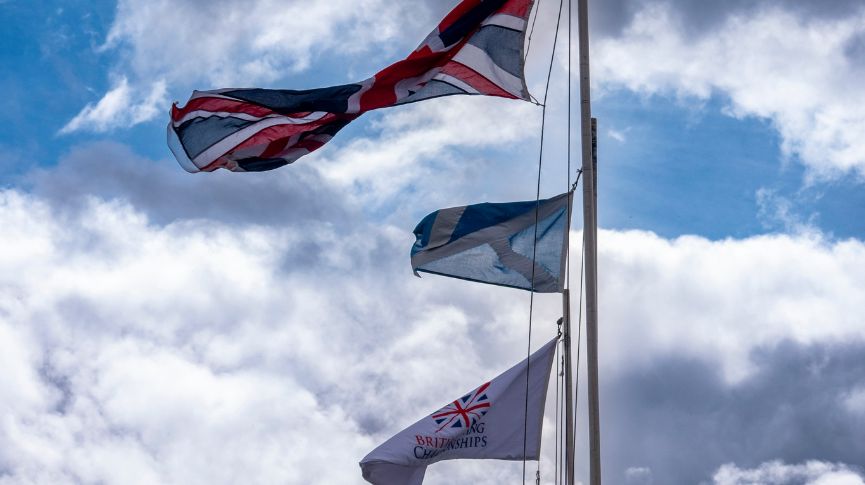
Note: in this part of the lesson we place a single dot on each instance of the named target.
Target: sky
(159, 327)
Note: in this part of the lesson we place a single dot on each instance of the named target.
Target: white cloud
(717, 301)
(779, 473)
(772, 64)
(854, 401)
(639, 475)
(204, 45)
(416, 142)
(120, 107)
(201, 351)
(226, 43)
(776, 210)
(617, 135)
(20, 388)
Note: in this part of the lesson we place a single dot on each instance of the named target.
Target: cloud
(680, 418)
(393, 165)
(257, 331)
(190, 44)
(195, 44)
(119, 108)
(728, 297)
(638, 474)
(200, 351)
(854, 401)
(416, 149)
(776, 210)
(111, 171)
(610, 17)
(681, 47)
(779, 473)
(224, 43)
(799, 73)
(157, 327)
(619, 136)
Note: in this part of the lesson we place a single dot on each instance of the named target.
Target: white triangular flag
(486, 423)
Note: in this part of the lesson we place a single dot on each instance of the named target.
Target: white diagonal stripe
(353, 105)
(213, 94)
(477, 59)
(208, 156)
(456, 82)
(203, 113)
(507, 21)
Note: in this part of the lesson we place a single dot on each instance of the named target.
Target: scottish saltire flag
(492, 243)
(485, 423)
(476, 49)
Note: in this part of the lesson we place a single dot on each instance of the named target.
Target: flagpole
(590, 234)
(570, 451)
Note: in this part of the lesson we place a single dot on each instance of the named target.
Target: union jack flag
(476, 49)
(465, 412)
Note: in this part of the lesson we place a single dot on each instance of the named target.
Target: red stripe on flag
(383, 91)
(217, 105)
(475, 80)
(278, 133)
(274, 133)
(275, 148)
(220, 162)
(482, 388)
(517, 8)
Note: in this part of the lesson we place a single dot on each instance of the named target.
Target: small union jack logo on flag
(465, 411)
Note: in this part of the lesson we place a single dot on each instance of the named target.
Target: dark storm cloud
(166, 193)
(681, 421)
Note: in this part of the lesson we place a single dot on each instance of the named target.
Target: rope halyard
(562, 436)
(532, 28)
(573, 188)
(558, 402)
(579, 328)
(535, 239)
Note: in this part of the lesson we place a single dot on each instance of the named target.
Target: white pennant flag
(488, 422)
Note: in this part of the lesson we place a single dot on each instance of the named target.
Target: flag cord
(535, 239)
(561, 423)
(558, 403)
(532, 31)
(579, 326)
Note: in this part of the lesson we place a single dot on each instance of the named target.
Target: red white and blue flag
(465, 411)
(501, 420)
(476, 49)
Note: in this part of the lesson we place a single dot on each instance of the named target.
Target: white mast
(590, 233)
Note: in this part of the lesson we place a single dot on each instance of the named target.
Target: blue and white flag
(500, 419)
(492, 243)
